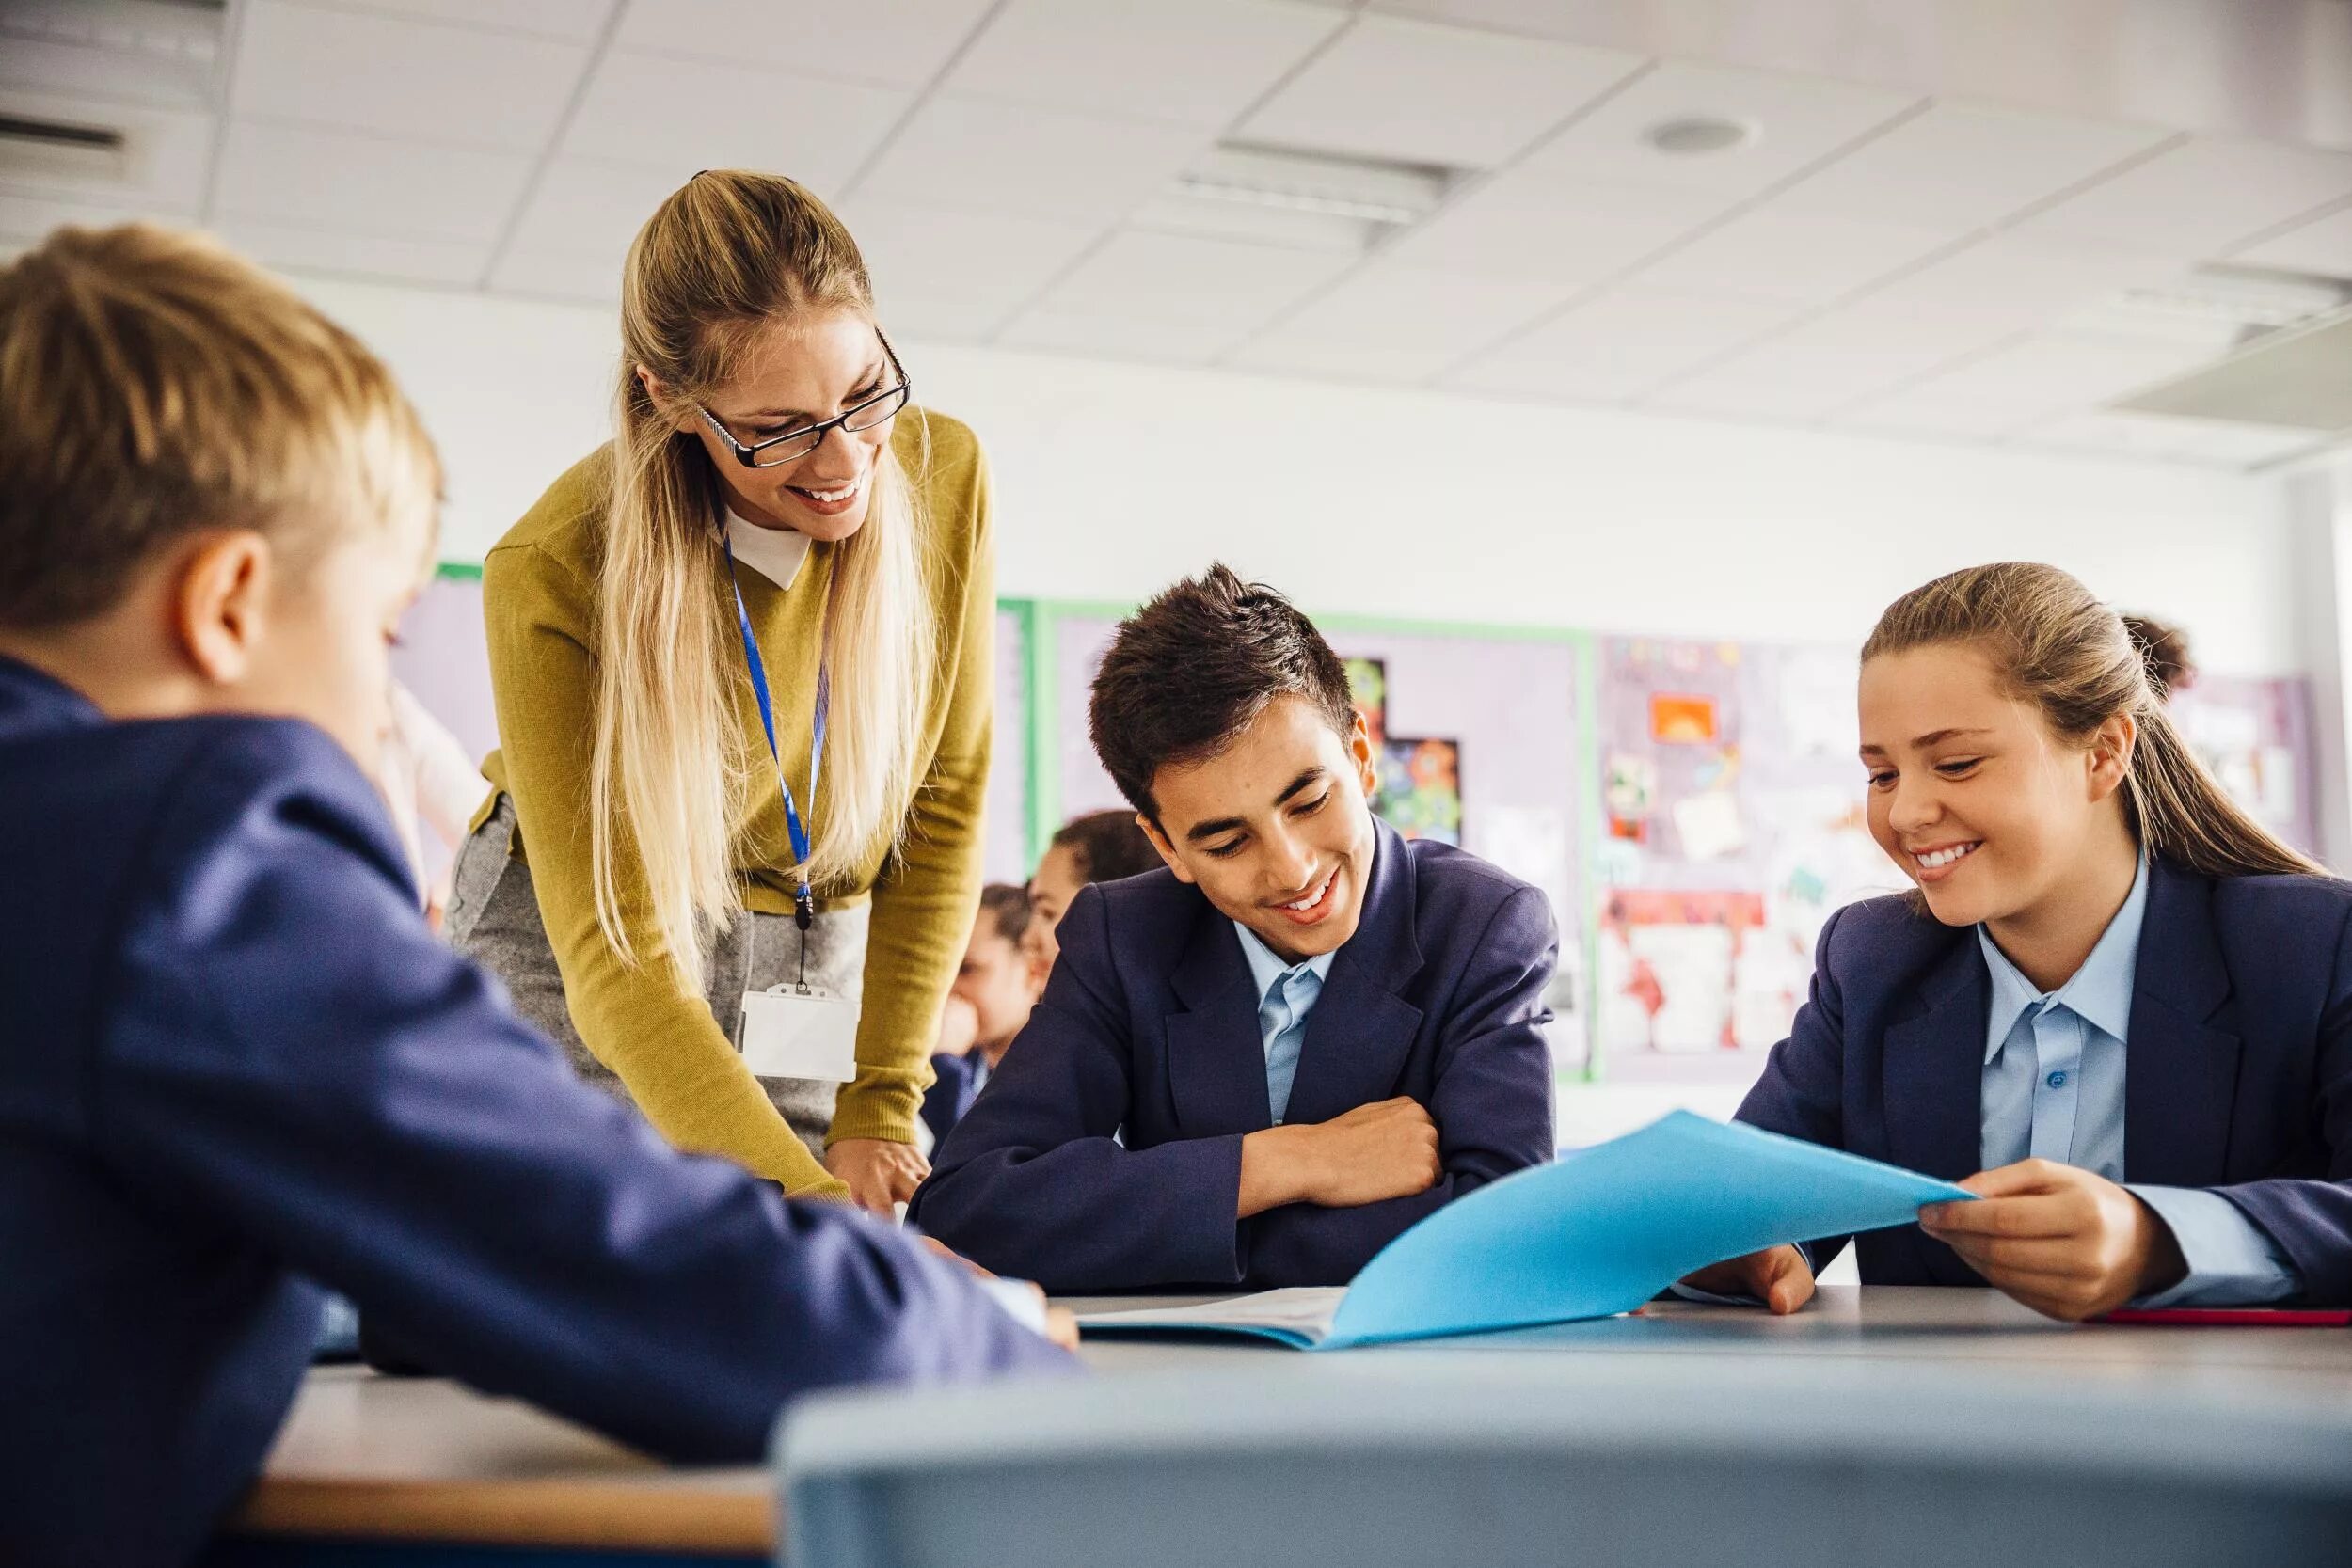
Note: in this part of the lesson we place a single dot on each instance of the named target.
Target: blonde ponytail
(2060, 649)
(673, 777)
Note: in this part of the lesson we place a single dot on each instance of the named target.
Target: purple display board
(2256, 737)
(444, 658)
(1732, 826)
(1511, 706)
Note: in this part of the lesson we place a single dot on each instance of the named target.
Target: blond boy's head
(198, 465)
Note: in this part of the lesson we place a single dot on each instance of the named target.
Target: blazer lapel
(2180, 1075)
(1361, 1031)
(1215, 1055)
(1934, 1069)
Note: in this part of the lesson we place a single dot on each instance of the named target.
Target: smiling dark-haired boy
(1256, 1067)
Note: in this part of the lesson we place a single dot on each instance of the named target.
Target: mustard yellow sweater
(539, 602)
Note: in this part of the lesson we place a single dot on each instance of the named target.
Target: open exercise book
(1596, 1234)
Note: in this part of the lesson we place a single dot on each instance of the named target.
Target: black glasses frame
(813, 435)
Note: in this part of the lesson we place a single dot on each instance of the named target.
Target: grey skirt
(494, 920)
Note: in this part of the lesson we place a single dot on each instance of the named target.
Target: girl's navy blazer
(1105, 1151)
(2237, 1075)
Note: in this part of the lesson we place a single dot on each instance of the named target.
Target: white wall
(1113, 479)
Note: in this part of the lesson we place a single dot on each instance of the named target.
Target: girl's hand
(881, 1174)
(2066, 1243)
(1777, 1277)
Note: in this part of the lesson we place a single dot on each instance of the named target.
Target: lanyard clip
(804, 909)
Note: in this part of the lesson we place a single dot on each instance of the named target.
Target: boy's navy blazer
(233, 1062)
(1149, 1030)
(2237, 1075)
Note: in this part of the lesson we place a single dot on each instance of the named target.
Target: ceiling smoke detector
(1700, 135)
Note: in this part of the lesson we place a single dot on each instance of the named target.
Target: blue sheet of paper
(1598, 1233)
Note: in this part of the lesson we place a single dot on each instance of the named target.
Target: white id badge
(792, 1033)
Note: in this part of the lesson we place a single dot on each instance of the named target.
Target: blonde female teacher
(742, 666)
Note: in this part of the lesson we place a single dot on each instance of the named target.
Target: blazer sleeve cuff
(2232, 1262)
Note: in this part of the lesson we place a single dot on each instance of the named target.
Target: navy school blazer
(1104, 1152)
(233, 1062)
(2237, 1077)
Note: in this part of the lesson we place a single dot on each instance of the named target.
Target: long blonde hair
(2055, 646)
(728, 256)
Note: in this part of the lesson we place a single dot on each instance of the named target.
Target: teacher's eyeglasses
(798, 442)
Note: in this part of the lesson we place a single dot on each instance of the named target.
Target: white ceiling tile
(2215, 441)
(1043, 162)
(1520, 225)
(710, 115)
(947, 269)
(577, 20)
(1227, 285)
(171, 153)
(1833, 360)
(1967, 165)
(340, 180)
(2202, 196)
(1349, 360)
(1802, 257)
(2020, 385)
(1194, 62)
(1390, 321)
(25, 218)
(2025, 279)
(898, 44)
(445, 262)
(1797, 120)
(1116, 337)
(1421, 93)
(1620, 345)
(401, 78)
(545, 275)
(590, 211)
(2323, 246)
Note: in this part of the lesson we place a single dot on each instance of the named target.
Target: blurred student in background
(1100, 846)
(988, 1001)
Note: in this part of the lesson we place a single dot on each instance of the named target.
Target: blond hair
(727, 258)
(153, 386)
(2055, 646)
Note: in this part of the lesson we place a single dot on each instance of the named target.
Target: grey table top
(1866, 1323)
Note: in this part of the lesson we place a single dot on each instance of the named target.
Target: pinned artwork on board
(1421, 788)
(1632, 785)
(1708, 825)
(1679, 720)
(1367, 686)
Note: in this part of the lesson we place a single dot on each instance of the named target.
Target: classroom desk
(365, 1459)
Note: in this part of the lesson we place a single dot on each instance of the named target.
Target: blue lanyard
(803, 905)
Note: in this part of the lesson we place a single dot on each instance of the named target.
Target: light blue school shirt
(2053, 1089)
(1286, 994)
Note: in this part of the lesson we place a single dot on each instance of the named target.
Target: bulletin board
(2256, 737)
(1731, 827)
(1479, 744)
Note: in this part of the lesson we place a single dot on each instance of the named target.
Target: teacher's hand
(881, 1174)
(2066, 1243)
